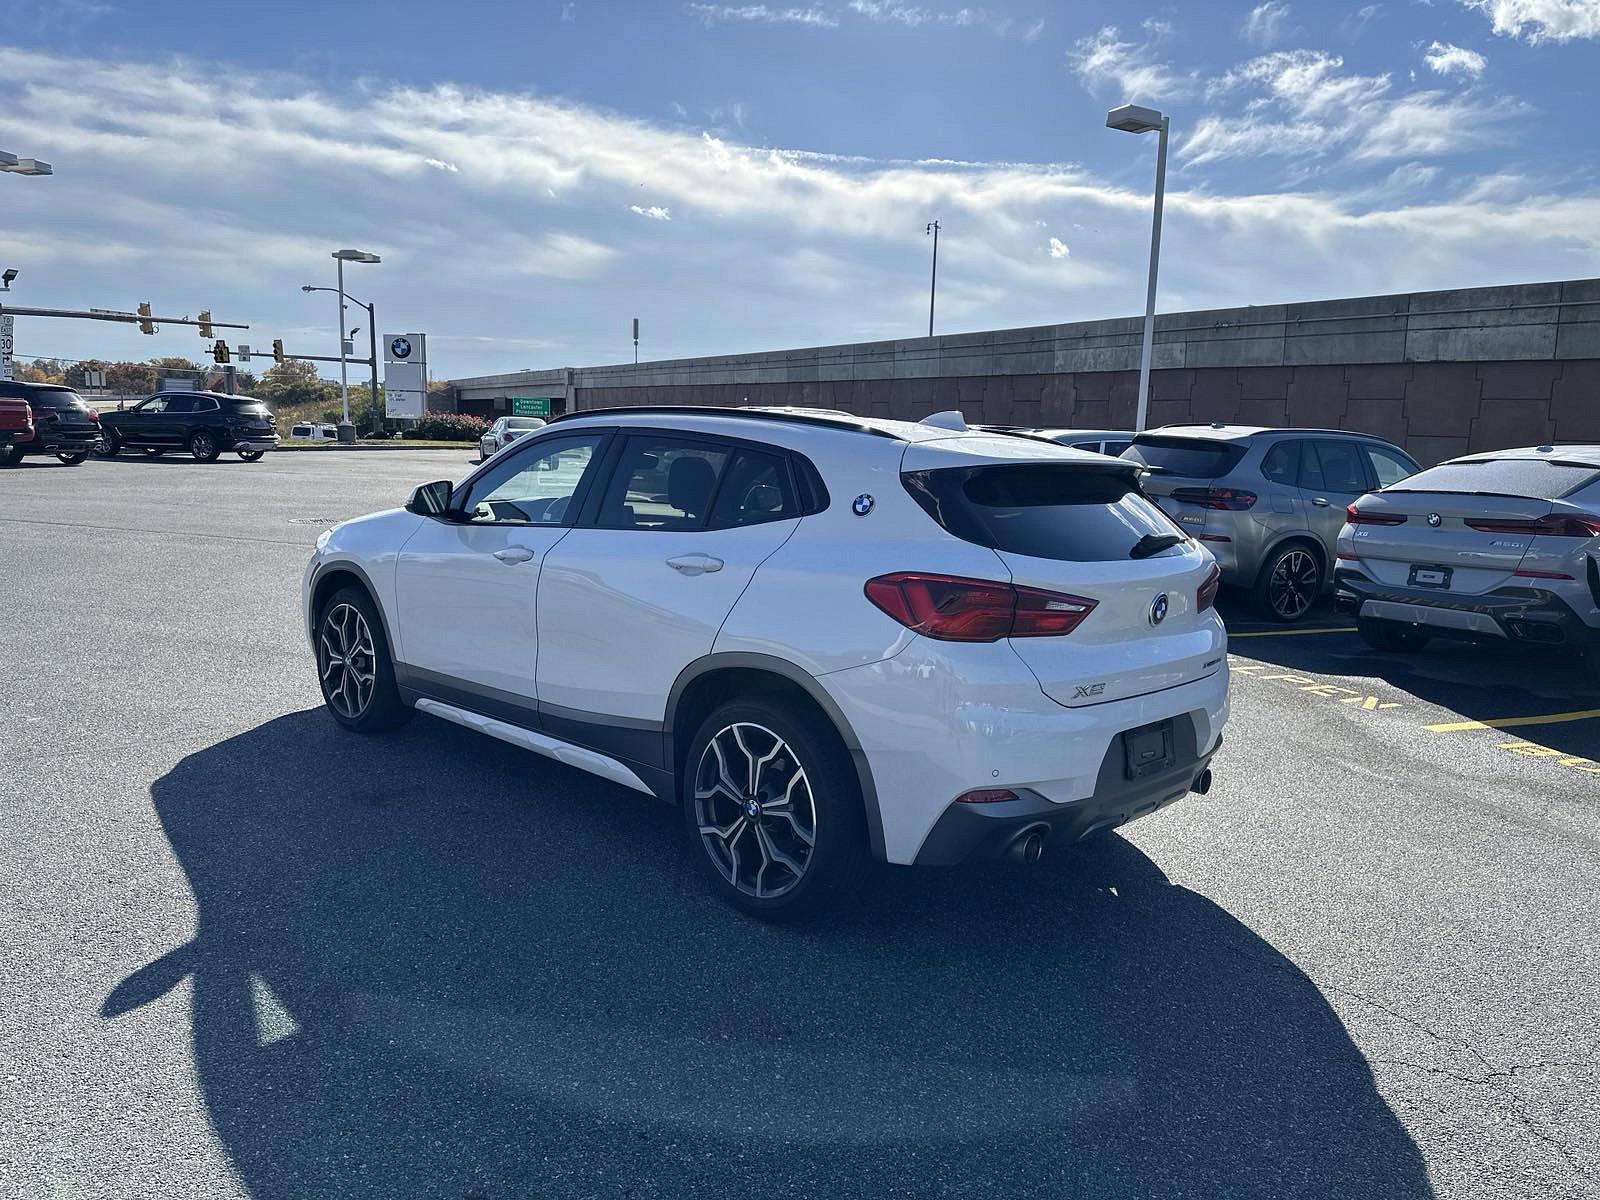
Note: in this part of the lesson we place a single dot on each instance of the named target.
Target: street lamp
(347, 431)
(933, 278)
(1132, 118)
(372, 333)
(13, 165)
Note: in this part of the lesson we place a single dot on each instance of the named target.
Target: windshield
(1196, 458)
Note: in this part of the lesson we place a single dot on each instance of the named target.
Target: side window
(205, 404)
(534, 487)
(1342, 469)
(1115, 449)
(1310, 467)
(1281, 464)
(180, 404)
(662, 482)
(756, 488)
(1387, 466)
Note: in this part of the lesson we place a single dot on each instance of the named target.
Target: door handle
(695, 564)
(514, 554)
(1320, 501)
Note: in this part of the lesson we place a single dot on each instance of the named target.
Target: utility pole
(933, 281)
(636, 340)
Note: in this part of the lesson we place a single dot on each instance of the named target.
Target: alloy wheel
(202, 445)
(754, 809)
(1292, 589)
(348, 661)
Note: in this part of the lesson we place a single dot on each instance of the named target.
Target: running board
(539, 743)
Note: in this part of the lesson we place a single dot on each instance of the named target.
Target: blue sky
(752, 176)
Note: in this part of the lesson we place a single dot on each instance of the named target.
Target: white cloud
(569, 11)
(1308, 106)
(1447, 59)
(1113, 68)
(1267, 23)
(557, 255)
(438, 164)
(655, 212)
(1542, 20)
(1058, 248)
(1032, 32)
(1355, 24)
(712, 13)
(891, 12)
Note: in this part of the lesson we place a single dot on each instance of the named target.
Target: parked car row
(41, 418)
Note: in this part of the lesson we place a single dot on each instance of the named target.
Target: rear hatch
(62, 411)
(251, 417)
(1078, 525)
(1463, 527)
(1180, 473)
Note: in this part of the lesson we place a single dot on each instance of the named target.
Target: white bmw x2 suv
(827, 638)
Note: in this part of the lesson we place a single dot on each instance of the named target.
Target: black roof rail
(749, 414)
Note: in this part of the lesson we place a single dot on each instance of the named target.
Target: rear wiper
(1154, 543)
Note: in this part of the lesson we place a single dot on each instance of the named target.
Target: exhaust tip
(1028, 847)
(1202, 783)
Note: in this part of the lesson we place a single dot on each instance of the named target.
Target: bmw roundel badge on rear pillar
(862, 504)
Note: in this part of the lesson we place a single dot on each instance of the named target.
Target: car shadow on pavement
(430, 964)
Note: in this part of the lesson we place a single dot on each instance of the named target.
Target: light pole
(1132, 118)
(12, 165)
(933, 280)
(372, 337)
(347, 432)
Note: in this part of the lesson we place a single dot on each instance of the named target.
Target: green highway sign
(530, 406)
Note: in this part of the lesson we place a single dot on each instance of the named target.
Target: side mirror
(431, 499)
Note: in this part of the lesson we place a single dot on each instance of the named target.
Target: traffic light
(145, 324)
(277, 350)
(205, 324)
(219, 352)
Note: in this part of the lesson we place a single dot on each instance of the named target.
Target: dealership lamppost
(372, 335)
(10, 164)
(347, 432)
(1132, 118)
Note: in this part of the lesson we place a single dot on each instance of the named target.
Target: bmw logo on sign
(400, 347)
(1435, 520)
(1158, 609)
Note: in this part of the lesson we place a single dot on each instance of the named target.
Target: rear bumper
(942, 718)
(251, 441)
(1522, 614)
(983, 832)
(46, 440)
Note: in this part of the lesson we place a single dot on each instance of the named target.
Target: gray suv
(1268, 503)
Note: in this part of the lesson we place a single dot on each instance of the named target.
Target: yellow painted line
(1293, 632)
(1513, 722)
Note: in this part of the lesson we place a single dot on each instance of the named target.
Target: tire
(110, 443)
(72, 460)
(351, 644)
(767, 869)
(154, 451)
(1289, 583)
(251, 455)
(204, 446)
(1394, 637)
(10, 456)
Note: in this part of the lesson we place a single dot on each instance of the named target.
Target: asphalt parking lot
(249, 954)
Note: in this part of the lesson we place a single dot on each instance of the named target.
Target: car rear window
(524, 423)
(1538, 479)
(248, 408)
(54, 398)
(1044, 510)
(1195, 458)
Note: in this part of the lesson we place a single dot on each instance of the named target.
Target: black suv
(204, 423)
(63, 424)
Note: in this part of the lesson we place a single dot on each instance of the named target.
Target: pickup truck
(16, 425)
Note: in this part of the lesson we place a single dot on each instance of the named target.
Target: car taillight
(1356, 516)
(1232, 499)
(1529, 573)
(955, 609)
(93, 414)
(1206, 595)
(1579, 525)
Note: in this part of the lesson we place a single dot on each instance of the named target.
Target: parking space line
(1293, 632)
(1513, 722)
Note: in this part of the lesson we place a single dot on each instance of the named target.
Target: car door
(465, 582)
(170, 427)
(1333, 473)
(641, 588)
(142, 420)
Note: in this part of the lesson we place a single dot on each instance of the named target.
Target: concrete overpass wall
(1440, 373)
